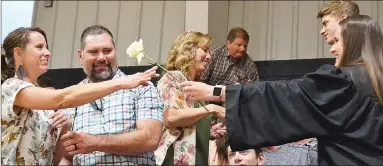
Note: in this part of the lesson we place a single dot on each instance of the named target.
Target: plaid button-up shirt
(225, 70)
(118, 113)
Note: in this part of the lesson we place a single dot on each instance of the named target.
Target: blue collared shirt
(118, 113)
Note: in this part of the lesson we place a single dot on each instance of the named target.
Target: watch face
(217, 91)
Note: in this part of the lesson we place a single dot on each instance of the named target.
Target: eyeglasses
(96, 107)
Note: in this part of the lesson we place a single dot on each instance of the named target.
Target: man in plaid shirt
(230, 64)
(123, 128)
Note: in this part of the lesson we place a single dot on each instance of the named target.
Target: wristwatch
(217, 90)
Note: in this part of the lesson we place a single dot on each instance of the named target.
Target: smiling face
(202, 56)
(189, 54)
(98, 57)
(337, 47)
(35, 56)
(329, 25)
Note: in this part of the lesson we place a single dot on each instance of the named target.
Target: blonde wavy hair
(182, 52)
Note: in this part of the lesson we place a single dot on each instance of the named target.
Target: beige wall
(278, 30)
(156, 22)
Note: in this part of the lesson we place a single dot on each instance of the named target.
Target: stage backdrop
(268, 70)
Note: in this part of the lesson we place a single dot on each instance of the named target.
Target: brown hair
(94, 30)
(257, 151)
(17, 38)
(181, 53)
(237, 32)
(363, 43)
(222, 151)
(339, 8)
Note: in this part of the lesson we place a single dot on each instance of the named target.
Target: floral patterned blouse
(26, 138)
(183, 139)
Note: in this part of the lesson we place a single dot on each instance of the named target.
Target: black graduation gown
(334, 105)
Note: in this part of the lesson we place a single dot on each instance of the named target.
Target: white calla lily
(139, 57)
(136, 50)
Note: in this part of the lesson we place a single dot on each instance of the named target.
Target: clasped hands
(73, 142)
(80, 142)
(217, 130)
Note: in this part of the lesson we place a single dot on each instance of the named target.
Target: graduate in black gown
(340, 105)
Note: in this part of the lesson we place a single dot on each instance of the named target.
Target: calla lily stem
(156, 63)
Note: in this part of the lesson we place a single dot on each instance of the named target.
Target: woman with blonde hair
(185, 138)
(30, 127)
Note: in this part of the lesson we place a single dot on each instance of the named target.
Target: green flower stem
(155, 63)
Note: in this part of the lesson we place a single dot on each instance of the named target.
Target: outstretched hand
(135, 80)
(199, 91)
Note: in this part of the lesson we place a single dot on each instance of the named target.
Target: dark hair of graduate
(363, 44)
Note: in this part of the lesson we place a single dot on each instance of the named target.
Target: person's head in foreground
(189, 54)
(26, 51)
(245, 157)
(332, 13)
(98, 53)
(359, 40)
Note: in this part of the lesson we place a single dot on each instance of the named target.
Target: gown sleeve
(277, 112)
